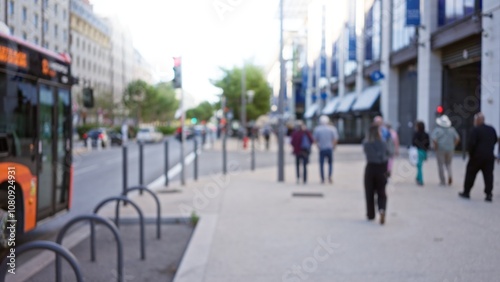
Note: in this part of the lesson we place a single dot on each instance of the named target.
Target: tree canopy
(150, 103)
(202, 112)
(254, 80)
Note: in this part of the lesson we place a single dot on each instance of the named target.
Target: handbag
(413, 155)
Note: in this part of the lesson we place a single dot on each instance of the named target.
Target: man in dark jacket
(482, 142)
(301, 142)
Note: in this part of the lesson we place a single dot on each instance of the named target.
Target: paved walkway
(252, 228)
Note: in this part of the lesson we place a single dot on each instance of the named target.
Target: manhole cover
(308, 194)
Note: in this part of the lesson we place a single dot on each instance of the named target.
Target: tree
(255, 80)
(150, 103)
(203, 111)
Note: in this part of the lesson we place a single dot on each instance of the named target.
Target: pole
(141, 165)
(253, 150)
(166, 163)
(183, 140)
(281, 104)
(124, 171)
(224, 136)
(195, 159)
(243, 106)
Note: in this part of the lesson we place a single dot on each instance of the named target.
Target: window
(56, 31)
(77, 42)
(65, 35)
(46, 45)
(56, 9)
(25, 14)
(36, 1)
(450, 11)
(35, 20)
(56, 48)
(12, 30)
(45, 26)
(25, 36)
(402, 35)
(36, 40)
(11, 8)
(64, 14)
(78, 61)
(45, 4)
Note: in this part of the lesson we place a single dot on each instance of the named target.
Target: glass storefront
(373, 32)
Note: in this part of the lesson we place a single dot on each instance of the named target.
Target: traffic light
(88, 97)
(194, 120)
(177, 81)
(439, 110)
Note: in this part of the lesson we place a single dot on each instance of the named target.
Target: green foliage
(255, 80)
(194, 218)
(203, 112)
(166, 130)
(150, 103)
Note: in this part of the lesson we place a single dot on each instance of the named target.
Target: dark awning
(346, 103)
(366, 100)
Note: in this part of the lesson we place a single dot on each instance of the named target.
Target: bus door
(64, 154)
(46, 165)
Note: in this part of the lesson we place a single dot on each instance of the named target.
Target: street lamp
(281, 106)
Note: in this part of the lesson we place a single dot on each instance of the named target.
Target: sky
(208, 34)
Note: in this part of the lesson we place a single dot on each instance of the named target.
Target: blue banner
(369, 35)
(323, 66)
(376, 76)
(335, 67)
(323, 96)
(305, 75)
(352, 44)
(413, 12)
(313, 76)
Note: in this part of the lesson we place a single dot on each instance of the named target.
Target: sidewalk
(252, 228)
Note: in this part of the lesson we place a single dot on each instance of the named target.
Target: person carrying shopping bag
(421, 141)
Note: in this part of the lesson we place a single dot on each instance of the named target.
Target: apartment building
(41, 22)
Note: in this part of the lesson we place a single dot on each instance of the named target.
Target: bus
(35, 135)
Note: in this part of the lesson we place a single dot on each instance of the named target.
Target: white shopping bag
(413, 155)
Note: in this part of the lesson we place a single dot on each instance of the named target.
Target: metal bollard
(124, 171)
(224, 153)
(253, 153)
(166, 163)
(141, 165)
(195, 159)
(89, 144)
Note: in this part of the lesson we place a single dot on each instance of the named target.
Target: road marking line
(86, 169)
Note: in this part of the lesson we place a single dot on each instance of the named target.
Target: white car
(149, 134)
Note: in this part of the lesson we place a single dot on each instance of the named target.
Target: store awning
(346, 103)
(366, 100)
(331, 106)
(311, 110)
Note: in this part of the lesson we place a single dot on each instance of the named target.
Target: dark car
(96, 135)
(189, 134)
(115, 138)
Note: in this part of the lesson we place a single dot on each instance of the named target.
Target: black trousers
(304, 159)
(375, 181)
(485, 165)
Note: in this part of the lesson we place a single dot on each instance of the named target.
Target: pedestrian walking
(395, 142)
(326, 138)
(422, 142)
(481, 145)
(444, 140)
(375, 179)
(301, 141)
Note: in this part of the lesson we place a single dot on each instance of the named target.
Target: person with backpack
(444, 139)
(267, 135)
(326, 138)
(301, 142)
(422, 141)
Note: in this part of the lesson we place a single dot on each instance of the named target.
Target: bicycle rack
(47, 245)
(92, 218)
(141, 222)
(158, 207)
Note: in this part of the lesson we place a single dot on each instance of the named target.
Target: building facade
(41, 22)
(382, 62)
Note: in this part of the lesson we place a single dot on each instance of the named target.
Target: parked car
(188, 132)
(95, 135)
(115, 138)
(149, 134)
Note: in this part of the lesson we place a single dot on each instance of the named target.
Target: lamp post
(250, 94)
(243, 112)
(281, 105)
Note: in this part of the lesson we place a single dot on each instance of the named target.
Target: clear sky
(204, 36)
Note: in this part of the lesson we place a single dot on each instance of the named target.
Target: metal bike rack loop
(158, 207)
(47, 245)
(141, 222)
(92, 218)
